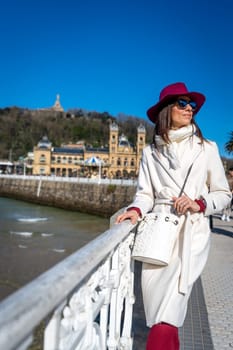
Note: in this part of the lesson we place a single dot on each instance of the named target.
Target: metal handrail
(22, 311)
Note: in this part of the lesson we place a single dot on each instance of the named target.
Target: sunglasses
(182, 104)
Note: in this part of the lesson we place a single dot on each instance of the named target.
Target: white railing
(124, 182)
(88, 299)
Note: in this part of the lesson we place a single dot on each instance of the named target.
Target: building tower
(42, 157)
(113, 139)
(141, 142)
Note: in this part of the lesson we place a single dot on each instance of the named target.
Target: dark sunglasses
(181, 104)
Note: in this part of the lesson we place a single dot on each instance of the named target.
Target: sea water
(33, 238)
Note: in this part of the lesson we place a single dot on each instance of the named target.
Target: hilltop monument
(57, 105)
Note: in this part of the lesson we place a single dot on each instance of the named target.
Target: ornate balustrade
(85, 300)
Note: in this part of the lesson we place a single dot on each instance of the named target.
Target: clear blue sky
(116, 55)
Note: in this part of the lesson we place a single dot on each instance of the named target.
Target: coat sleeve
(144, 197)
(219, 194)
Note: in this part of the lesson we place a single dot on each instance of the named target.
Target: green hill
(21, 129)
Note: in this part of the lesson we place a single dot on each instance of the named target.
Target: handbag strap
(185, 180)
(186, 177)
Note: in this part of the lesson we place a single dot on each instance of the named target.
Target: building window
(64, 160)
(53, 159)
(58, 160)
(118, 174)
(42, 171)
(42, 158)
(125, 174)
(126, 162)
(132, 174)
(70, 160)
(132, 162)
(119, 161)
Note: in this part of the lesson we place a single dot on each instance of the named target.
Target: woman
(178, 142)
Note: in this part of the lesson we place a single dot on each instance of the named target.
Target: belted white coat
(164, 299)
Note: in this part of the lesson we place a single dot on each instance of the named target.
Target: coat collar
(188, 153)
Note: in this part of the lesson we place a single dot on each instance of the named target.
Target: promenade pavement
(209, 321)
(217, 281)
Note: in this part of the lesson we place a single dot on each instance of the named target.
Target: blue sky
(116, 56)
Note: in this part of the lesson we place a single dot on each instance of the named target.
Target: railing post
(127, 341)
(104, 312)
(51, 333)
(112, 339)
(121, 307)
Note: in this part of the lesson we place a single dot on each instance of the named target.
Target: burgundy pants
(163, 336)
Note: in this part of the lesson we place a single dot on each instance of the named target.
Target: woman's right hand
(132, 215)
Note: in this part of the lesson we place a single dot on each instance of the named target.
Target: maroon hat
(169, 93)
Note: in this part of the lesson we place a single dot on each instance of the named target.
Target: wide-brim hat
(169, 95)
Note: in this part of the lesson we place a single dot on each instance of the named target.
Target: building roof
(97, 150)
(123, 141)
(68, 150)
(44, 143)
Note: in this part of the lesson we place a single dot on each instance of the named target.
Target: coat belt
(186, 252)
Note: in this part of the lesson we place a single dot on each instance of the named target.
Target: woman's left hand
(183, 204)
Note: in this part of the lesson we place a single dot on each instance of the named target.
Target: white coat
(164, 299)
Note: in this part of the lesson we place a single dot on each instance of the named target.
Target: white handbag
(157, 232)
(155, 238)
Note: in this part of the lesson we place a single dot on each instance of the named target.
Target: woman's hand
(131, 214)
(183, 204)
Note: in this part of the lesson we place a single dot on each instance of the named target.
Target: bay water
(34, 238)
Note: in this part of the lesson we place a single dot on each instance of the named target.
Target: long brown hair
(164, 123)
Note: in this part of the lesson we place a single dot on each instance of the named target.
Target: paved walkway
(217, 281)
(209, 321)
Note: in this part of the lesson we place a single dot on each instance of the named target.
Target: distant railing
(125, 182)
(86, 300)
